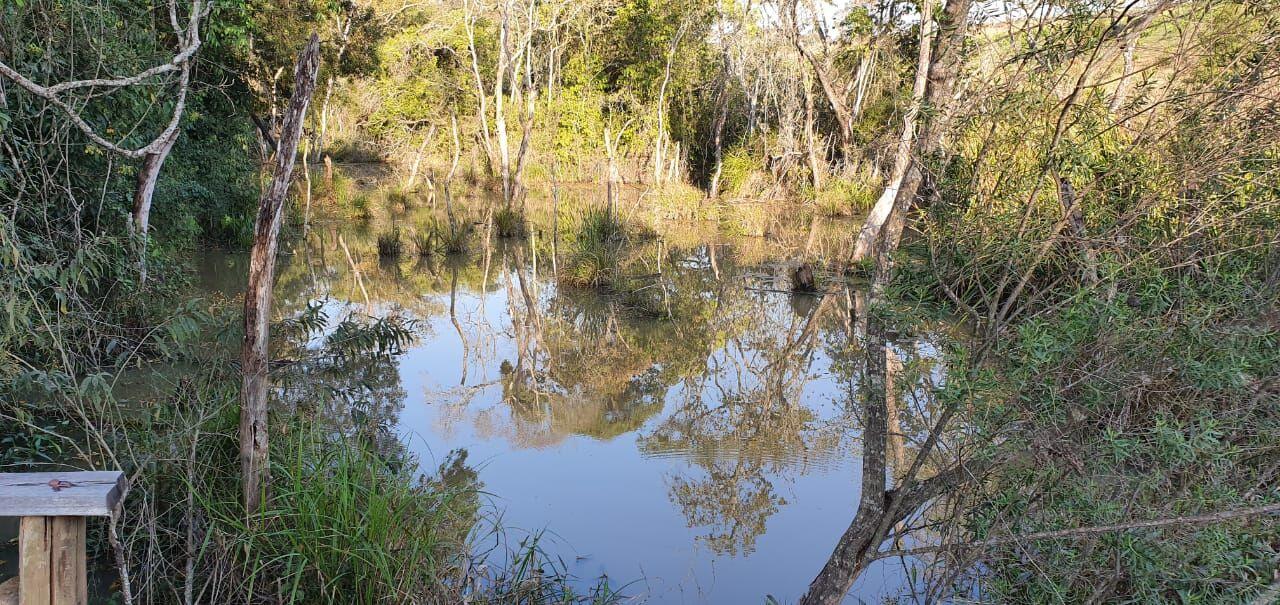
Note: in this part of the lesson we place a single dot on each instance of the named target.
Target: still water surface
(699, 445)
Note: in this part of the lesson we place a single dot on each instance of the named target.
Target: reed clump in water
(390, 244)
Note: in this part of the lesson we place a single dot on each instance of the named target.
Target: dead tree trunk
(257, 299)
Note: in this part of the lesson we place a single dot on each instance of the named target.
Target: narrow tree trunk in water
(257, 299)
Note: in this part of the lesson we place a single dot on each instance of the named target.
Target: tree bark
(875, 221)
(935, 80)
(147, 177)
(811, 146)
(1130, 44)
(257, 300)
(660, 139)
(482, 109)
(499, 112)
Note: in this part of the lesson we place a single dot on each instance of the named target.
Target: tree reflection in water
(701, 358)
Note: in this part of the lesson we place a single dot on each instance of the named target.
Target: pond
(699, 444)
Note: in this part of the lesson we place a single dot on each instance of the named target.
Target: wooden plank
(74, 494)
(68, 580)
(9, 591)
(51, 561)
(33, 561)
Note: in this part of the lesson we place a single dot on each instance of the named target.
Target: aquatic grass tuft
(599, 225)
(345, 525)
(508, 222)
(424, 240)
(361, 209)
(390, 245)
(453, 240)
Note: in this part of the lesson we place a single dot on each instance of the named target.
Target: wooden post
(51, 538)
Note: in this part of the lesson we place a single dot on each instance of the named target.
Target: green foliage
(846, 195)
(738, 169)
(1170, 422)
(1132, 353)
(344, 526)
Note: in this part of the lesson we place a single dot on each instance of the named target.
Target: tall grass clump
(398, 199)
(679, 201)
(338, 189)
(847, 195)
(599, 225)
(424, 240)
(390, 244)
(453, 239)
(594, 252)
(345, 525)
(508, 222)
(737, 171)
(361, 209)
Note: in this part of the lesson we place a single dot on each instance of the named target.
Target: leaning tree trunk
(147, 177)
(875, 221)
(257, 299)
(935, 80)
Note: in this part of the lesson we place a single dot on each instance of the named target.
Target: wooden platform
(60, 494)
(51, 537)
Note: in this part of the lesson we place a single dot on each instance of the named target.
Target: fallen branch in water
(1271, 509)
